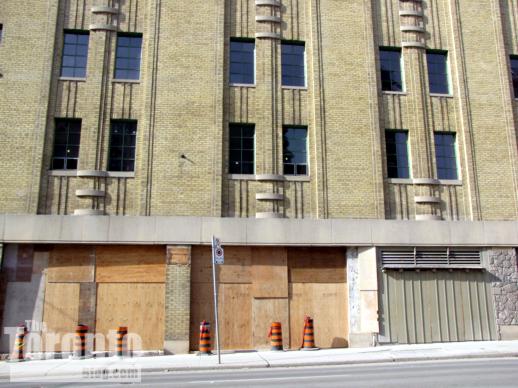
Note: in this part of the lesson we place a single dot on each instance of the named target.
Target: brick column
(177, 299)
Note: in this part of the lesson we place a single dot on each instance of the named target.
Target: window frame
(241, 149)
(401, 69)
(1, 33)
(74, 32)
(116, 59)
(407, 148)
(304, 64)
(66, 158)
(514, 58)
(447, 74)
(242, 40)
(295, 165)
(122, 159)
(455, 156)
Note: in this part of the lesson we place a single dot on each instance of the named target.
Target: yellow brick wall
(183, 105)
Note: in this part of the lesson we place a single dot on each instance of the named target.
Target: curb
(384, 360)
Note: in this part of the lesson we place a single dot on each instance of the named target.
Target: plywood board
(327, 305)
(269, 272)
(316, 265)
(237, 267)
(266, 311)
(139, 306)
(130, 264)
(235, 312)
(71, 264)
(60, 313)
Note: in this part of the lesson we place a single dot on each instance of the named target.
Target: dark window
(293, 72)
(514, 74)
(390, 67)
(241, 149)
(67, 137)
(445, 155)
(438, 72)
(1, 32)
(75, 55)
(242, 61)
(127, 61)
(397, 154)
(123, 137)
(295, 151)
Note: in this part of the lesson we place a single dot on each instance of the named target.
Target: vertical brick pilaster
(177, 299)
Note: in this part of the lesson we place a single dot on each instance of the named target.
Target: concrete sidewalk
(49, 369)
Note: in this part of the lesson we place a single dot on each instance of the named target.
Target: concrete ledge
(413, 45)
(274, 3)
(249, 231)
(269, 197)
(427, 217)
(88, 212)
(267, 35)
(273, 19)
(103, 9)
(408, 12)
(409, 28)
(268, 215)
(90, 193)
(426, 199)
(426, 181)
(102, 27)
(269, 177)
(91, 173)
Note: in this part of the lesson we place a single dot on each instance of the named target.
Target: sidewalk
(264, 359)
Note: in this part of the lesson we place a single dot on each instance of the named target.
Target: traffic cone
(17, 354)
(122, 341)
(80, 341)
(204, 347)
(308, 340)
(275, 335)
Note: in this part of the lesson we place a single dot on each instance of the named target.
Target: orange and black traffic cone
(122, 341)
(275, 335)
(205, 346)
(308, 340)
(17, 354)
(80, 341)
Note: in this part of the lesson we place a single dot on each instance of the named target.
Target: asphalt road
(502, 372)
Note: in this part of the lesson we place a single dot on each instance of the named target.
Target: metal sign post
(217, 258)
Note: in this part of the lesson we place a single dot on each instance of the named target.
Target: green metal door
(426, 306)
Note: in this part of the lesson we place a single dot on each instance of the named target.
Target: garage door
(442, 304)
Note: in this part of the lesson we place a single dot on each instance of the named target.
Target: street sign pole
(214, 282)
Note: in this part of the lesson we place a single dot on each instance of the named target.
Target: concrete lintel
(249, 231)
(267, 35)
(273, 19)
(102, 27)
(104, 9)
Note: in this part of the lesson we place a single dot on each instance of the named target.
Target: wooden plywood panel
(60, 313)
(71, 264)
(269, 272)
(264, 312)
(316, 265)
(139, 306)
(327, 305)
(237, 267)
(235, 312)
(201, 310)
(130, 264)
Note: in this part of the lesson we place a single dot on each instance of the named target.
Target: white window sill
(126, 81)
(410, 181)
(401, 181)
(252, 177)
(451, 182)
(441, 95)
(297, 178)
(110, 174)
(395, 93)
(295, 87)
(75, 79)
(242, 85)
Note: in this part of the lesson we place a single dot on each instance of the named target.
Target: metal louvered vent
(430, 258)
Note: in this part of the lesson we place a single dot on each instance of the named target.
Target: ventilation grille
(430, 258)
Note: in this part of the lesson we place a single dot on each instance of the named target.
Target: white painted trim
(269, 197)
(441, 95)
(242, 85)
(126, 81)
(74, 79)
